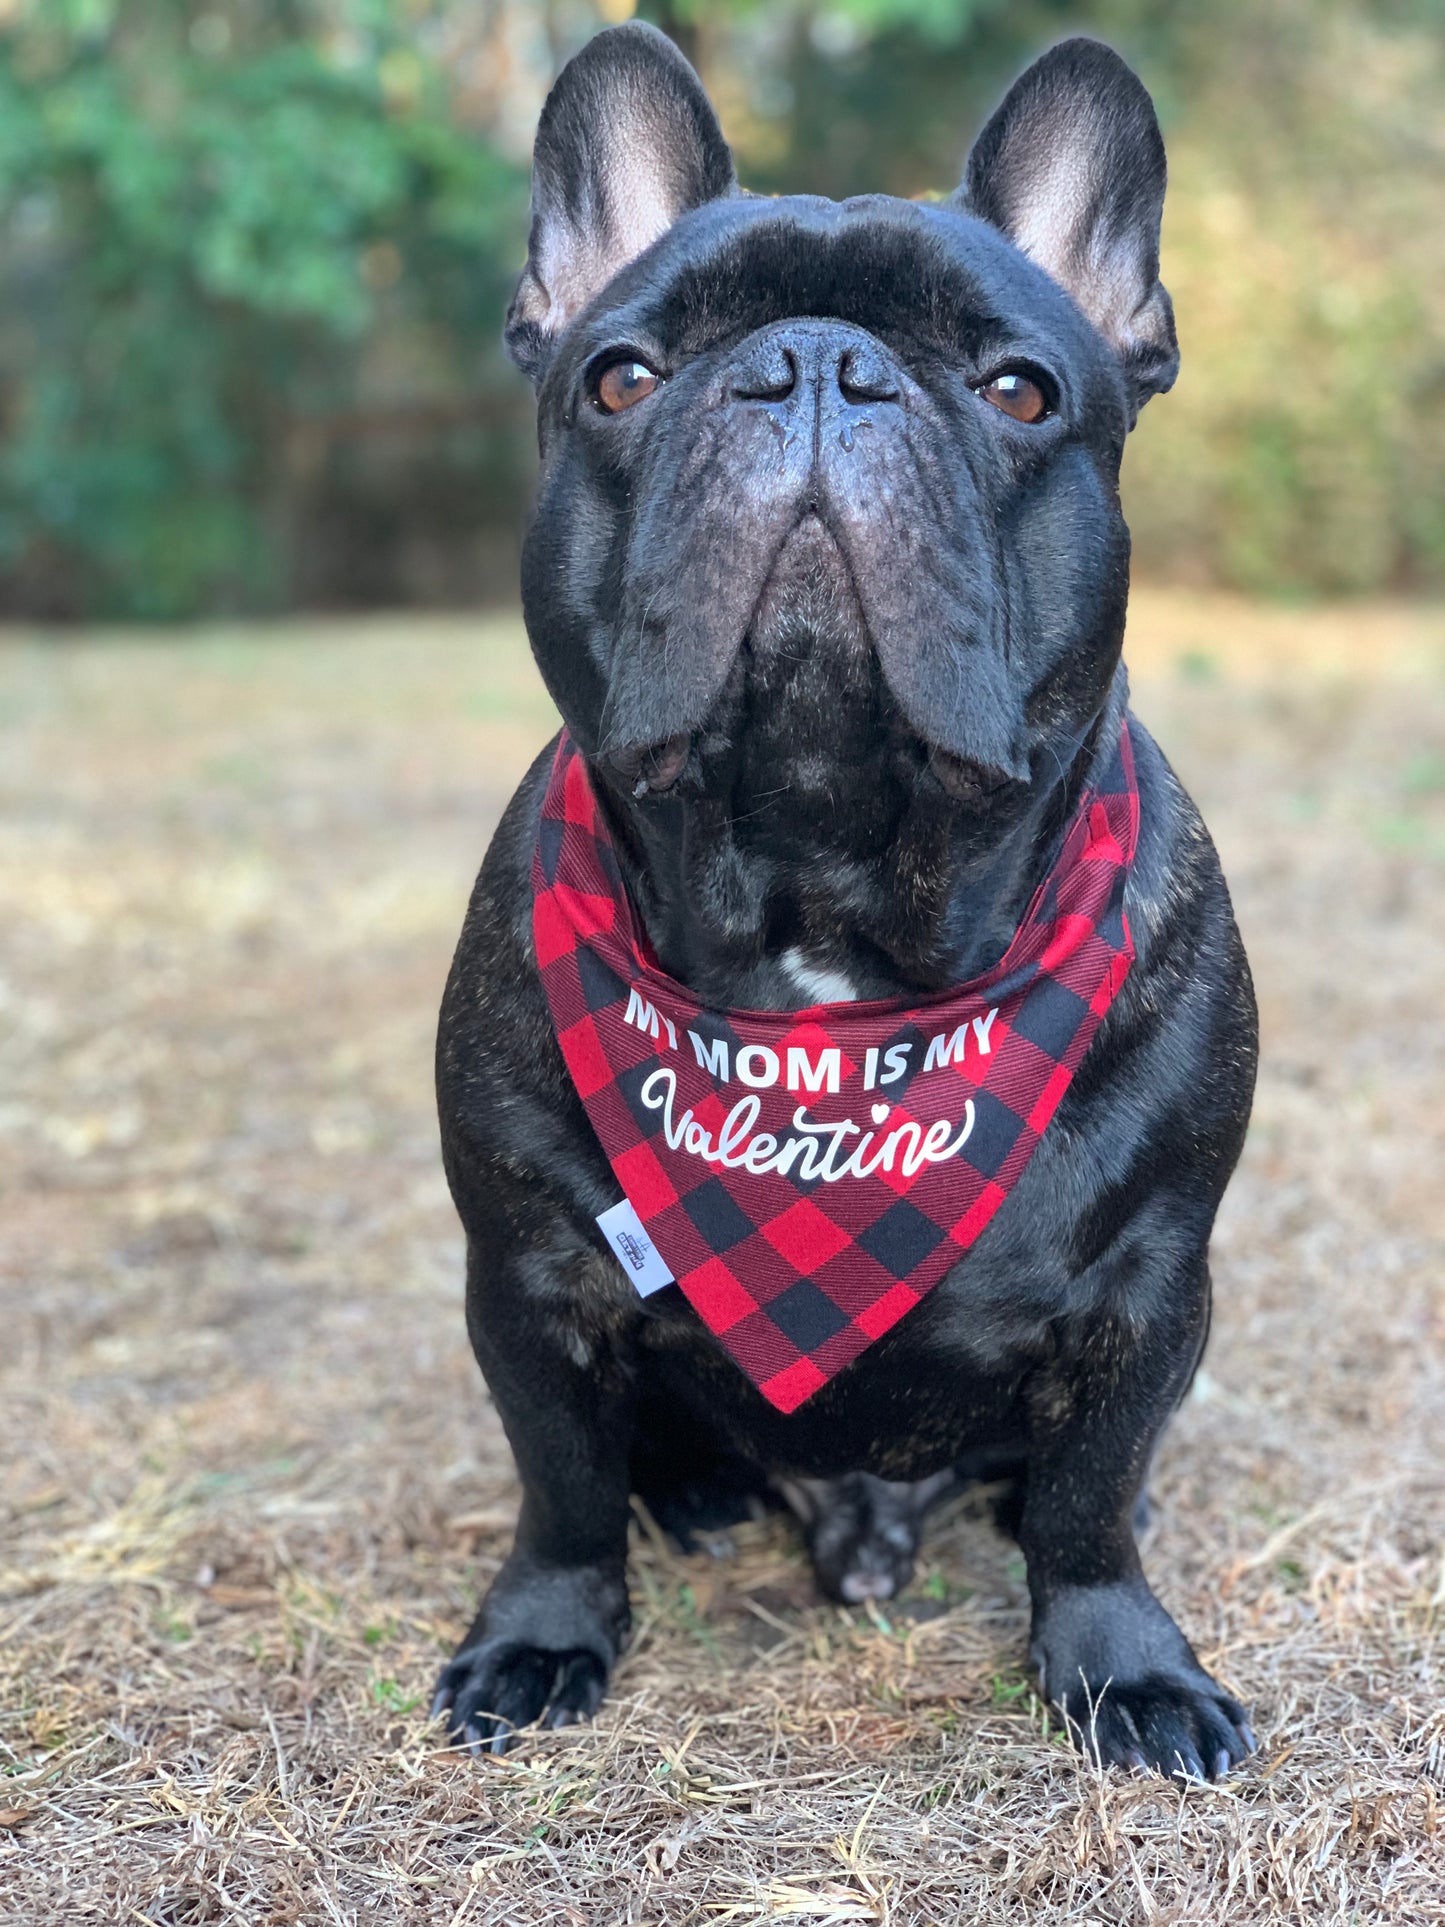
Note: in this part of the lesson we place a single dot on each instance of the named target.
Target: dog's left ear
(1071, 168)
(627, 143)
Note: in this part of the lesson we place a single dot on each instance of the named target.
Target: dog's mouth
(653, 770)
(809, 602)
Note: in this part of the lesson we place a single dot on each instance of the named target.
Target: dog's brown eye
(625, 384)
(1016, 395)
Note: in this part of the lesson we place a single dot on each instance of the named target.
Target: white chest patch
(818, 986)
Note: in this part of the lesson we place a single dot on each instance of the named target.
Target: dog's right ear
(627, 143)
(1071, 168)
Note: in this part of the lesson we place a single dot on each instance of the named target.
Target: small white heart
(880, 1113)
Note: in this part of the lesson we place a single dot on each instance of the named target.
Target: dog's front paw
(1185, 1727)
(494, 1688)
(541, 1648)
(1113, 1662)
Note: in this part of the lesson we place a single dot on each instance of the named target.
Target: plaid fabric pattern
(809, 1175)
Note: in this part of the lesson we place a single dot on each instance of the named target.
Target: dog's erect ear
(1071, 167)
(627, 142)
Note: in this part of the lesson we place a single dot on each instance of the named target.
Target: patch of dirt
(254, 1485)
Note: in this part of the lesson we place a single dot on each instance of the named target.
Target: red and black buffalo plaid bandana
(808, 1176)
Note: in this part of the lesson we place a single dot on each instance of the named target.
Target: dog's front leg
(1108, 1655)
(556, 1616)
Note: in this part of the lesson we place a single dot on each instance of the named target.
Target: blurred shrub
(1303, 450)
(210, 219)
(254, 253)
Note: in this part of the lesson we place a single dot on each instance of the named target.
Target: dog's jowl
(849, 1040)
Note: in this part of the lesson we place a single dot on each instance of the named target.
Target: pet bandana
(807, 1177)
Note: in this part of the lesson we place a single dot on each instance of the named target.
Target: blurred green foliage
(203, 214)
(254, 253)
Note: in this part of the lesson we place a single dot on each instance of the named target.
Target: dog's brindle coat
(838, 628)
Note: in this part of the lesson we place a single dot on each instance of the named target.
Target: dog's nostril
(865, 377)
(770, 380)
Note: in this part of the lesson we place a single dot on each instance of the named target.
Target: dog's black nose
(826, 360)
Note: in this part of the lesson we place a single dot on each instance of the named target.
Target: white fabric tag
(639, 1256)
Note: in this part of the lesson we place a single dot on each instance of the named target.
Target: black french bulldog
(827, 576)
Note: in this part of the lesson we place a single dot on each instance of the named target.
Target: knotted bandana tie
(809, 1176)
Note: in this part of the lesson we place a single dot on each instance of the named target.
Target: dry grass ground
(253, 1484)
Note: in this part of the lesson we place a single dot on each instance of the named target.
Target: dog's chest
(947, 1381)
(822, 856)
(912, 1405)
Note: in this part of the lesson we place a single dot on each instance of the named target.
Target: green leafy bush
(207, 218)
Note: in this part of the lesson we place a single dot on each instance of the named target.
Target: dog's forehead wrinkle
(796, 256)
